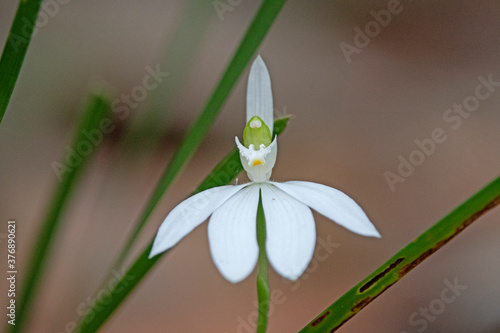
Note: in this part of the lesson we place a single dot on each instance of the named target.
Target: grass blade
(405, 260)
(95, 111)
(222, 174)
(262, 22)
(15, 49)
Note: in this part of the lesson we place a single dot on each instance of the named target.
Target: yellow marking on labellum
(257, 162)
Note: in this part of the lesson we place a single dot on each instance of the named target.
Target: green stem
(15, 49)
(405, 260)
(96, 110)
(263, 293)
(255, 34)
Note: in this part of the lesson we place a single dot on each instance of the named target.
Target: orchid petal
(290, 232)
(189, 214)
(232, 234)
(333, 204)
(259, 94)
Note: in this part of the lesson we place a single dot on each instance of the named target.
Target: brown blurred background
(352, 121)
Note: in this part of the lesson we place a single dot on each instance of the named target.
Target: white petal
(259, 94)
(332, 203)
(232, 233)
(291, 233)
(189, 214)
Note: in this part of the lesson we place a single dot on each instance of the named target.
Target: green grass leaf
(405, 260)
(222, 174)
(95, 113)
(15, 49)
(260, 25)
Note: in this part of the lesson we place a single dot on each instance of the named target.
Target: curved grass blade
(405, 260)
(98, 107)
(260, 25)
(15, 49)
(222, 174)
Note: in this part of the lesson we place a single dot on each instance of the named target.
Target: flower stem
(262, 276)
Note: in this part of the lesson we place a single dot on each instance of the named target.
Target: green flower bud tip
(256, 133)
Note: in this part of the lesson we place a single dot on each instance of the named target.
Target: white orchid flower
(290, 227)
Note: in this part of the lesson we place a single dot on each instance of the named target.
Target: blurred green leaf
(15, 49)
(405, 260)
(222, 174)
(94, 119)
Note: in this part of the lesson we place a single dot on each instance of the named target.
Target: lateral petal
(189, 214)
(291, 233)
(333, 204)
(232, 234)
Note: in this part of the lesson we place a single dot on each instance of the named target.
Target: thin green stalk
(15, 49)
(223, 173)
(94, 113)
(258, 29)
(263, 292)
(405, 260)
